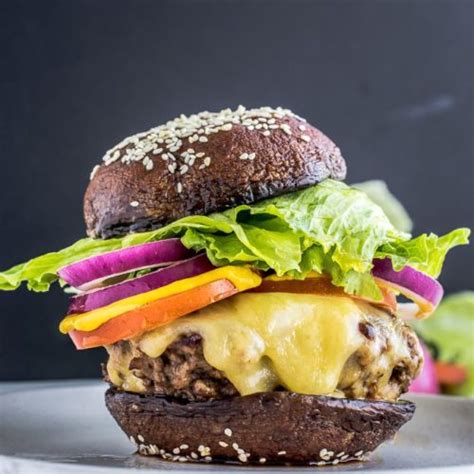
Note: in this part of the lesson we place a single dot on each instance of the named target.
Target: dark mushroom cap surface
(206, 163)
(271, 427)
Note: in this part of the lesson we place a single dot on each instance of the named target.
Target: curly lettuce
(330, 228)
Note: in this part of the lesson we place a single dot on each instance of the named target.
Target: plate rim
(22, 464)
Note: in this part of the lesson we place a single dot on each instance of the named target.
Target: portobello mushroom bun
(246, 296)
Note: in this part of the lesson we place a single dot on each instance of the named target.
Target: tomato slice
(153, 315)
(321, 286)
(450, 374)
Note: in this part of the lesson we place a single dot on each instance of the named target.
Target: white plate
(65, 428)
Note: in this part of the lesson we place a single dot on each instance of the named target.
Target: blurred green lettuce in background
(451, 330)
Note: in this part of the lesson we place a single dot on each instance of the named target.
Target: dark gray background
(390, 81)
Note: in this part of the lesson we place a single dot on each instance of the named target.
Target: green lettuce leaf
(451, 330)
(329, 228)
(379, 193)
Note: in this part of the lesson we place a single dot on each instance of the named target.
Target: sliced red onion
(151, 281)
(423, 290)
(90, 272)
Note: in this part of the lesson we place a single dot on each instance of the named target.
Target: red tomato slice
(321, 286)
(153, 315)
(449, 373)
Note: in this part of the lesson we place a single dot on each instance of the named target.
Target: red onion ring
(422, 289)
(90, 272)
(102, 297)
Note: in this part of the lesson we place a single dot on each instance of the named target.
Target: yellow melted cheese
(261, 341)
(241, 277)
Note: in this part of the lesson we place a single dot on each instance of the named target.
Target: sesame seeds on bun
(263, 428)
(205, 163)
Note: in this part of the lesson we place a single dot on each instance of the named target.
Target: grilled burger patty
(181, 371)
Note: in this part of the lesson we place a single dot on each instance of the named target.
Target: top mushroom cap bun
(205, 163)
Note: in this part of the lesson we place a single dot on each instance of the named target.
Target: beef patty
(182, 371)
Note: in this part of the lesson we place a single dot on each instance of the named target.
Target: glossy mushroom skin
(271, 427)
(143, 185)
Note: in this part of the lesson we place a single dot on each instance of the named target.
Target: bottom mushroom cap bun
(264, 428)
(205, 163)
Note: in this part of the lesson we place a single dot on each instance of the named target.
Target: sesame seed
(281, 453)
(223, 444)
(207, 161)
(321, 463)
(194, 455)
(183, 459)
(204, 450)
(242, 457)
(141, 438)
(302, 127)
(176, 451)
(240, 451)
(359, 453)
(235, 446)
(183, 169)
(134, 204)
(201, 167)
(336, 461)
(338, 455)
(200, 154)
(251, 156)
(194, 128)
(179, 188)
(343, 458)
(184, 446)
(266, 133)
(208, 459)
(306, 138)
(94, 171)
(171, 168)
(244, 156)
(132, 439)
(262, 460)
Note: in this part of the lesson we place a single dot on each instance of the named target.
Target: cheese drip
(261, 341)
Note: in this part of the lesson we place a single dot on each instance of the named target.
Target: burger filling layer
(262, 342)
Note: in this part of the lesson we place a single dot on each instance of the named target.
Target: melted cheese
(241, 277)
(261, 341)
(118, 368)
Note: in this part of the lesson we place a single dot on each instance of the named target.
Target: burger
(246, 296)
